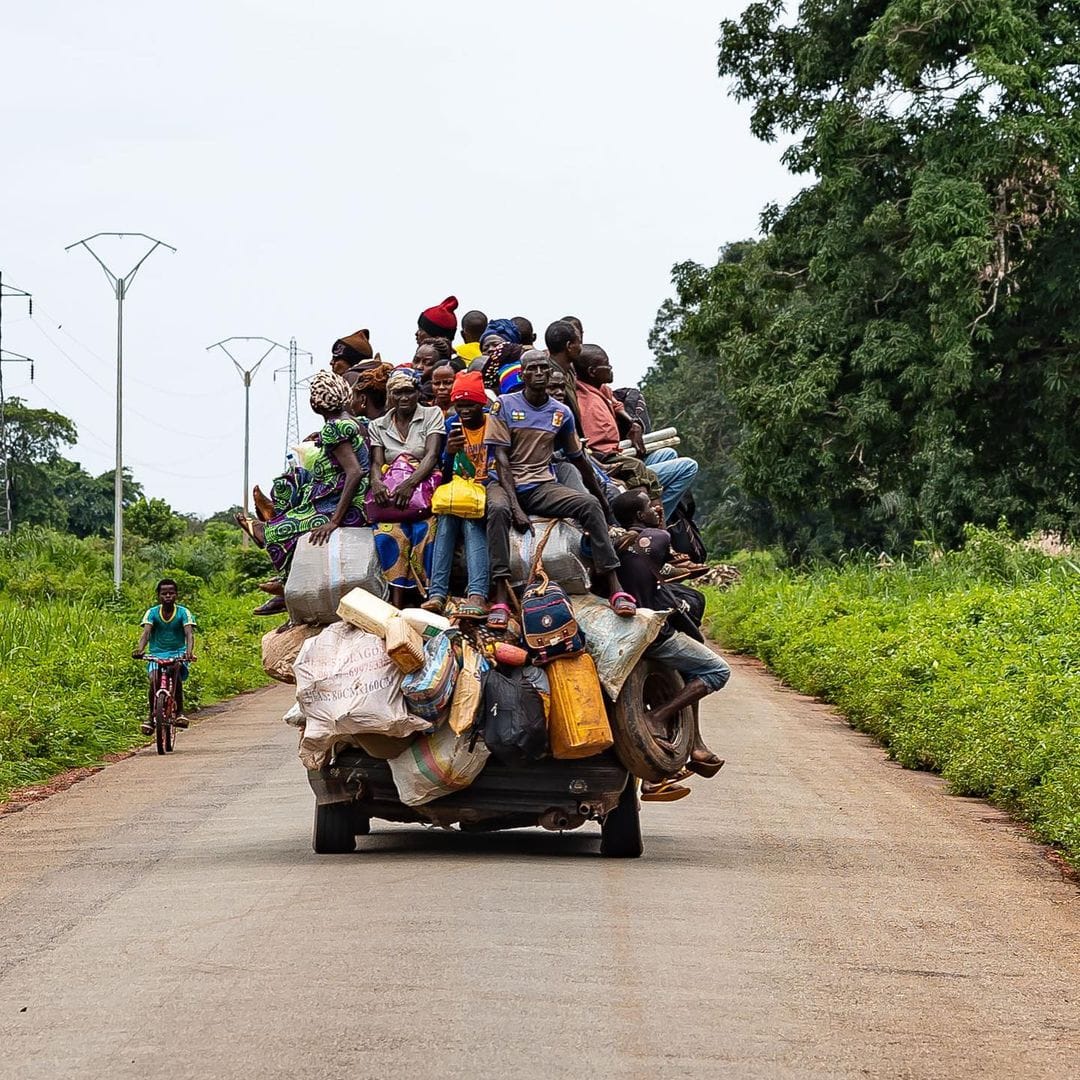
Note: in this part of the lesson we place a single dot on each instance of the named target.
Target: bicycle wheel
(161, 721)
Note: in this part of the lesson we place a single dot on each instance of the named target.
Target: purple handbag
(419, 506)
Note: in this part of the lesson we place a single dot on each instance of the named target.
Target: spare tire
(649, 685)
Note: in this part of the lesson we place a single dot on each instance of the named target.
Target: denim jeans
(691, 659)
(675, 474)
(447, 533)
(567, 474)
(550, 500)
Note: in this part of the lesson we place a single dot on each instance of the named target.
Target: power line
(148, 465)
(135, 412)
(134, 378)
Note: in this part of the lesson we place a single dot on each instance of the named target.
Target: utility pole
(8, 357)
(292, 418)
(246, 375)
(120, 286)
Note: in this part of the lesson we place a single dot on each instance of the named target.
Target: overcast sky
(340, 164)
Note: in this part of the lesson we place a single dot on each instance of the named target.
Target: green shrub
(70, 691)
(966, 663)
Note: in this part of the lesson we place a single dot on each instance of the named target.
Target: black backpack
(685, 535)
(512, 721)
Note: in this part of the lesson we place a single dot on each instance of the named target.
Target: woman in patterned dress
(326, 495)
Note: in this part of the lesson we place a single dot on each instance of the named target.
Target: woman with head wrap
(501, 329)
(368, 382)
(331, 494)
(414, 431)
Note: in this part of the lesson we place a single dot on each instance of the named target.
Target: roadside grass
(967, 663)
(70, 693)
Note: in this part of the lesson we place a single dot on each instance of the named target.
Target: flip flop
(623, 604)
(274, 606)
(706, 768)
(471, 611)
(498, 617)
(676, 572)
(664, 792)
(435, 604)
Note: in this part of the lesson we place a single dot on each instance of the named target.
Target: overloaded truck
(414, 717)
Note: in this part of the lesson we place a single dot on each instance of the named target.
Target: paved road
(812, 912)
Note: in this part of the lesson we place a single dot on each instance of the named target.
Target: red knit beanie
(469, 386)
(440, 321)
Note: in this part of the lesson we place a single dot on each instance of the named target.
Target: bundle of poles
(655, 440)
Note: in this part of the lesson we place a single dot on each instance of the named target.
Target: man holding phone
(466, 454)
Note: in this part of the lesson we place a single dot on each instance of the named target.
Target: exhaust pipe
(554, 821)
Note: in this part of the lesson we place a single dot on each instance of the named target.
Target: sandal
(663, 792)
(475, 607)
(673, 572)
(623, 604)
(274, 606)
(498, 617)
(708, 768)
(435, 604)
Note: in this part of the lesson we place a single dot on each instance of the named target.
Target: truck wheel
(620, 831)
(650, 684)
(335, 829)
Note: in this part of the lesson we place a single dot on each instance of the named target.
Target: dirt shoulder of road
(20, 798)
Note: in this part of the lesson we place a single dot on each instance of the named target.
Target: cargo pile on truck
(398, 710)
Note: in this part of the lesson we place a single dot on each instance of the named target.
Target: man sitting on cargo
(605, 420)
(524, 429)
(645, 551)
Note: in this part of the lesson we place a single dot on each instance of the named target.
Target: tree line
(899, 353)
(51, 490)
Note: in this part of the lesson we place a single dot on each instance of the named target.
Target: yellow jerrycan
(577, 722)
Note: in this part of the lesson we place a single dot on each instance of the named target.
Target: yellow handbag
(462, 497)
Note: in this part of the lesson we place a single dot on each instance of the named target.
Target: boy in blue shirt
(168, 630)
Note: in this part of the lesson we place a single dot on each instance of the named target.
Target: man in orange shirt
(605, 420)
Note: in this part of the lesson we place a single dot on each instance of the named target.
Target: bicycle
(166, 674)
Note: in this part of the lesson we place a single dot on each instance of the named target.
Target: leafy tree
(900, 353)
(33, 441)
(154, 519)
(89, 499)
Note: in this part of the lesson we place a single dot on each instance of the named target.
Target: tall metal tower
(292, 417)
(8, 357)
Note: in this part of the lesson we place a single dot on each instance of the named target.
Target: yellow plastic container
(577, 722)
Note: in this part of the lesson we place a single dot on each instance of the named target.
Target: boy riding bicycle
(168, 631)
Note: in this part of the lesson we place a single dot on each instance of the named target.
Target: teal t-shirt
(167, 635)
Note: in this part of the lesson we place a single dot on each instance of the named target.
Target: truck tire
(334, 831)
(620, 831)
(650, 683)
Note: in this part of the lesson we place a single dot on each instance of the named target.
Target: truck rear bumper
(556, 794)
